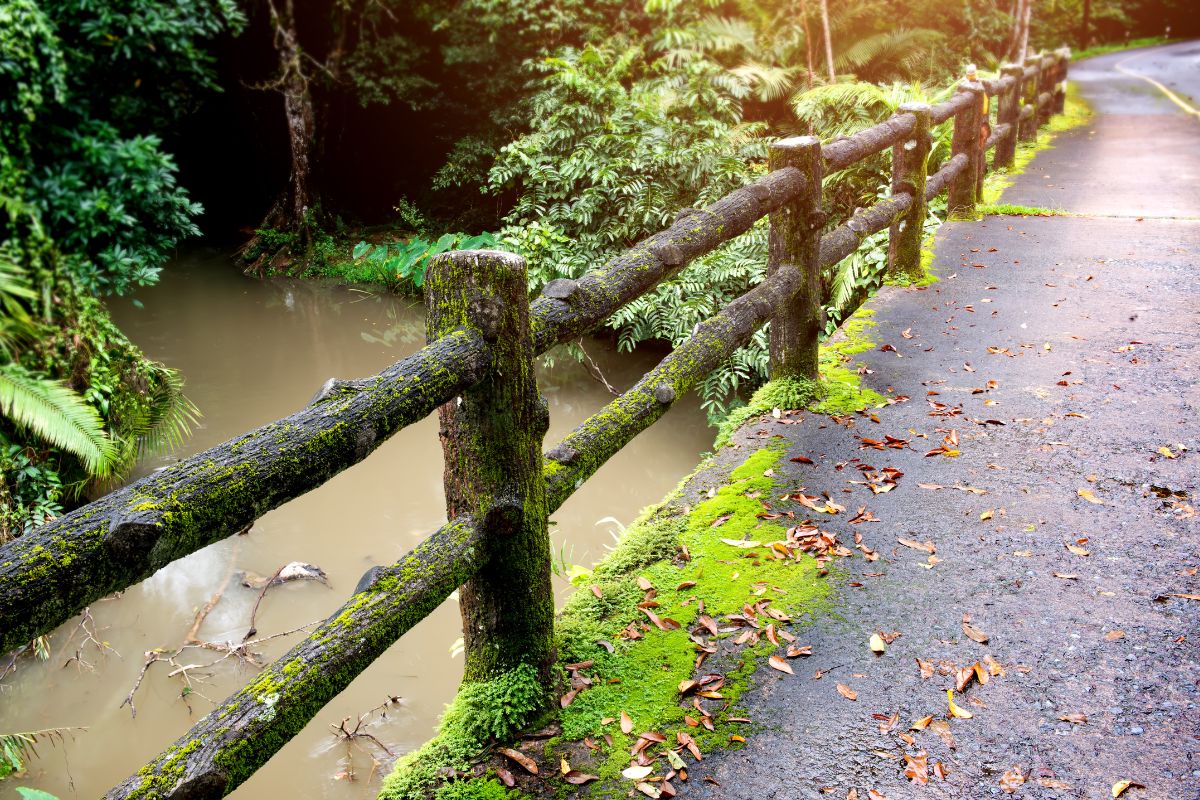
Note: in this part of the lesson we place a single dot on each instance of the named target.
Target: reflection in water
(253, 351)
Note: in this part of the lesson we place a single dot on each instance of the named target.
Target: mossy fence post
(1029, 91)
(795, 240)
(1008, 112)
(910, 169)
(1060, 79)
(492, 440)
(967, 141)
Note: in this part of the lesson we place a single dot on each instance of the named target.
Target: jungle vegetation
(355, 138)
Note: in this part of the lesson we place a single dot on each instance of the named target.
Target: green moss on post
(795, 240)
(1029, 91)
(1009, 113)
(492, 439)
(967, 141)
(909, 172)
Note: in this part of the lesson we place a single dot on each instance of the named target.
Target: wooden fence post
(964, 188)
(492, 440)
(1046, 78)
(795, 240)
(1060, 79)
(1029, 90)
(1008, 112)
(910, 161)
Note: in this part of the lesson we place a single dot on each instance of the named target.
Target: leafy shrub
(397, 264)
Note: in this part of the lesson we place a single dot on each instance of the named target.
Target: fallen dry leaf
(878, 646)
(1054, 783)
(1076, 718)
(1119, 787)
(778, 662)
(626, 724)
(921, 724)
(637, 773)
(973, 633)
(1011, 780)
(579, 778)
(916, 767)
(1087, 494)
(846, 692)
(1112, 636)
(875, 795)
(926, 668)
(924, 547)
(955, 711)
(525, 761)
(1077, 550)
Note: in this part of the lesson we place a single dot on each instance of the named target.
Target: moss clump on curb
(480, 789)
(481, 712)
(680, 551)
(840, 390)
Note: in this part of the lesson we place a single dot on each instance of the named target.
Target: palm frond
(57, 415)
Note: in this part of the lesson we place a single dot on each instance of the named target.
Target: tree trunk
(1085, 26)
(291, 211)
(1025, 17)
(808, 48)
(828, 40)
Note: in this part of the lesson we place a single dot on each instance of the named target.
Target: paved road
(1070, 346)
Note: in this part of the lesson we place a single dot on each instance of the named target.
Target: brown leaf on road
(942, 728)
(872, 794)
(1112, 636)
(993, 666)
(846, 692)
(921, 724)
(1087, 494)
(1011, 780)
(527, 763)
(916, 767)
(778, 662)
(973, 633)
(506, 777)
(926, 668)
(886, 723)
(1119, 787)
(1077, 550)
(799, 650)
(1054, 783)
(1077, 718)
(956, 711)
(924, 547)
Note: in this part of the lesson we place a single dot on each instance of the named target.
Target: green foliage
(396, 264)
(57, 416)
(16, 749)
(481, 712)
(490, 789)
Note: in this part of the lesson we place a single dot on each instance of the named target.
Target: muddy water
(252, 352)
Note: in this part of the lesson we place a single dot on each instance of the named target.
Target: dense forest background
(353, 138)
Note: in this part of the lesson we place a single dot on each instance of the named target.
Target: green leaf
(361, 249)
(34, 794)
(58, 416)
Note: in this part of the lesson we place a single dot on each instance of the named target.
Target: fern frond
(58, 416)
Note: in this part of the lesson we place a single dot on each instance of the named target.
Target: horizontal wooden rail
(50, 574)
(841, 153)
(237, 737)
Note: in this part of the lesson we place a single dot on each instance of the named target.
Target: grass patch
(1116, 47)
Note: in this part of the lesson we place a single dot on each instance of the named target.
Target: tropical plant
(394, 264)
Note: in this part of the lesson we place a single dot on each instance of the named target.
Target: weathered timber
(602, 435)
(841, 153)
(966, 140)
(999, 134)
(599, 293)
(492, 440)
(1047, 71)
(1029, 93)
(845, 239)
(795, 240)
(944, 111)
(52, 572)
(237, 737)
(940, 181)
(1008, 117)
(909, 172)
(1060, 79)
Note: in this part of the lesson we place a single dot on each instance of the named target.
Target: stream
(253, 351)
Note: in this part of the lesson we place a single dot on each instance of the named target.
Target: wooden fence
(477, 372)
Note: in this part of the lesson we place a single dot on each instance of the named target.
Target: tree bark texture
(828, 40)
(492, 440)
(909, 171)
(795, 240)
(1029, 92)
(1008, 113)
(841, 153)
(51, 573)
(967, 125)
(233, 740)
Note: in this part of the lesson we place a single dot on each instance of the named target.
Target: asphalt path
(1063, 351)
